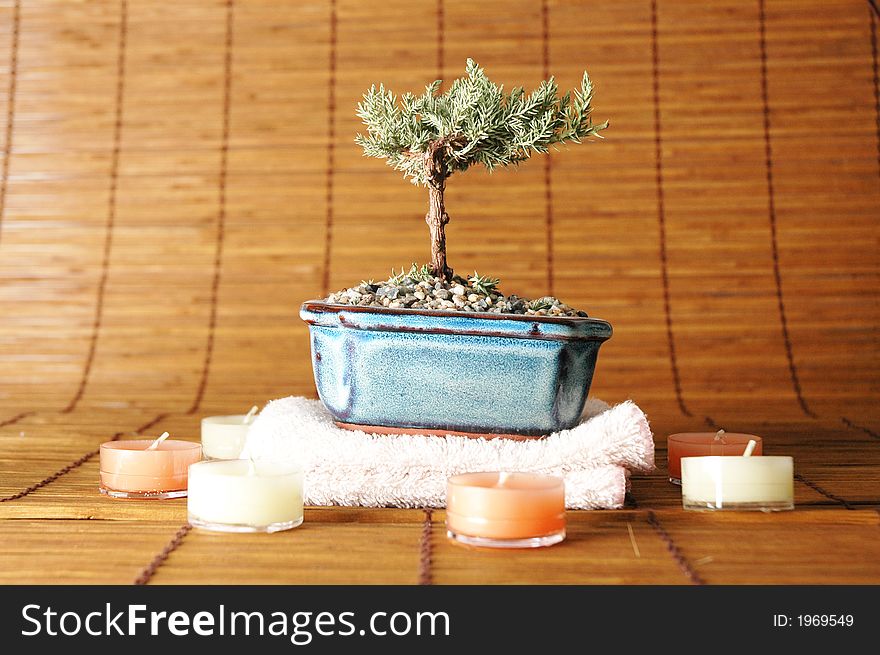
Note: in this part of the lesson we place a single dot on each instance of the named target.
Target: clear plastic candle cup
(704, 444)
(223, 437)
(505, 510)
(130, 469)
(737, 483)
(244, 496)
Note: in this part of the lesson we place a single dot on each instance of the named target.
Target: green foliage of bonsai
(431, 136)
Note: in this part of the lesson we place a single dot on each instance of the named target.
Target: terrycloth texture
(345, 467)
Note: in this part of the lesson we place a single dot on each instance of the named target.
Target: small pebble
(415, 291)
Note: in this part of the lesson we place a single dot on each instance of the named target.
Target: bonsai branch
(474, 122)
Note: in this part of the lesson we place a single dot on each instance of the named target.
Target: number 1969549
(814, 620)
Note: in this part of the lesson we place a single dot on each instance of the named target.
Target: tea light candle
(703, 444)
(147, 468)
(245, 496)
(223, 437)
(737, 483)
(505, 510)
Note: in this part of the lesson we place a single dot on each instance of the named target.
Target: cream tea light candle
(147, 468)
(245, 496)
(223, 437)
(737, 483)
(505, 510)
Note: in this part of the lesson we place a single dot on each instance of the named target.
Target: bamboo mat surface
(173, 184)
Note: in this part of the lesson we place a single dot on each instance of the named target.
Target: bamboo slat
(834, 545)
(599, 550)
(336, 552)
(78, 552)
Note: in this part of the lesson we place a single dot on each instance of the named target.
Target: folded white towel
(346, 467)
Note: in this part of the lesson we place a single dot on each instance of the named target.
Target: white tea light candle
(223, 437)
(737, 483)
(245, 496)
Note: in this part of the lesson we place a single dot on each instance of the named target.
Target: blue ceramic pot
(412, 370)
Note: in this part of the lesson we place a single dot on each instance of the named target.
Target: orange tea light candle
(505, 510)
(147, 468)
(705, 444)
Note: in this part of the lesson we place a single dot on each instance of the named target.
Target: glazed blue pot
(418, 371)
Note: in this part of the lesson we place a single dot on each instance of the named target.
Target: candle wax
(700, 444)
(506, 510)
(130, 470)
(243, 496)
(223, 437)
(720, 483)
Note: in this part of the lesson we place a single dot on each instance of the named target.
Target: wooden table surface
(174, 184)
(66, 532)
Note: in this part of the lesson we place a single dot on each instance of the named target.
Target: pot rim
(320, 305)
(490, 324)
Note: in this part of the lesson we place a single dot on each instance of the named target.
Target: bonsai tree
(431, 136)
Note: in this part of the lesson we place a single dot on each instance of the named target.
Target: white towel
(353, 468)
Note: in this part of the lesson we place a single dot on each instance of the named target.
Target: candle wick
(502, 478)
(250, 415)
(719, 436)
(750, 448)
(252, 466)
(155, 444)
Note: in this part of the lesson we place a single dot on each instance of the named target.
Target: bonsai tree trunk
(437, 218)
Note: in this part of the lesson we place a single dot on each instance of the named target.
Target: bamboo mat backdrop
(176, 180)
